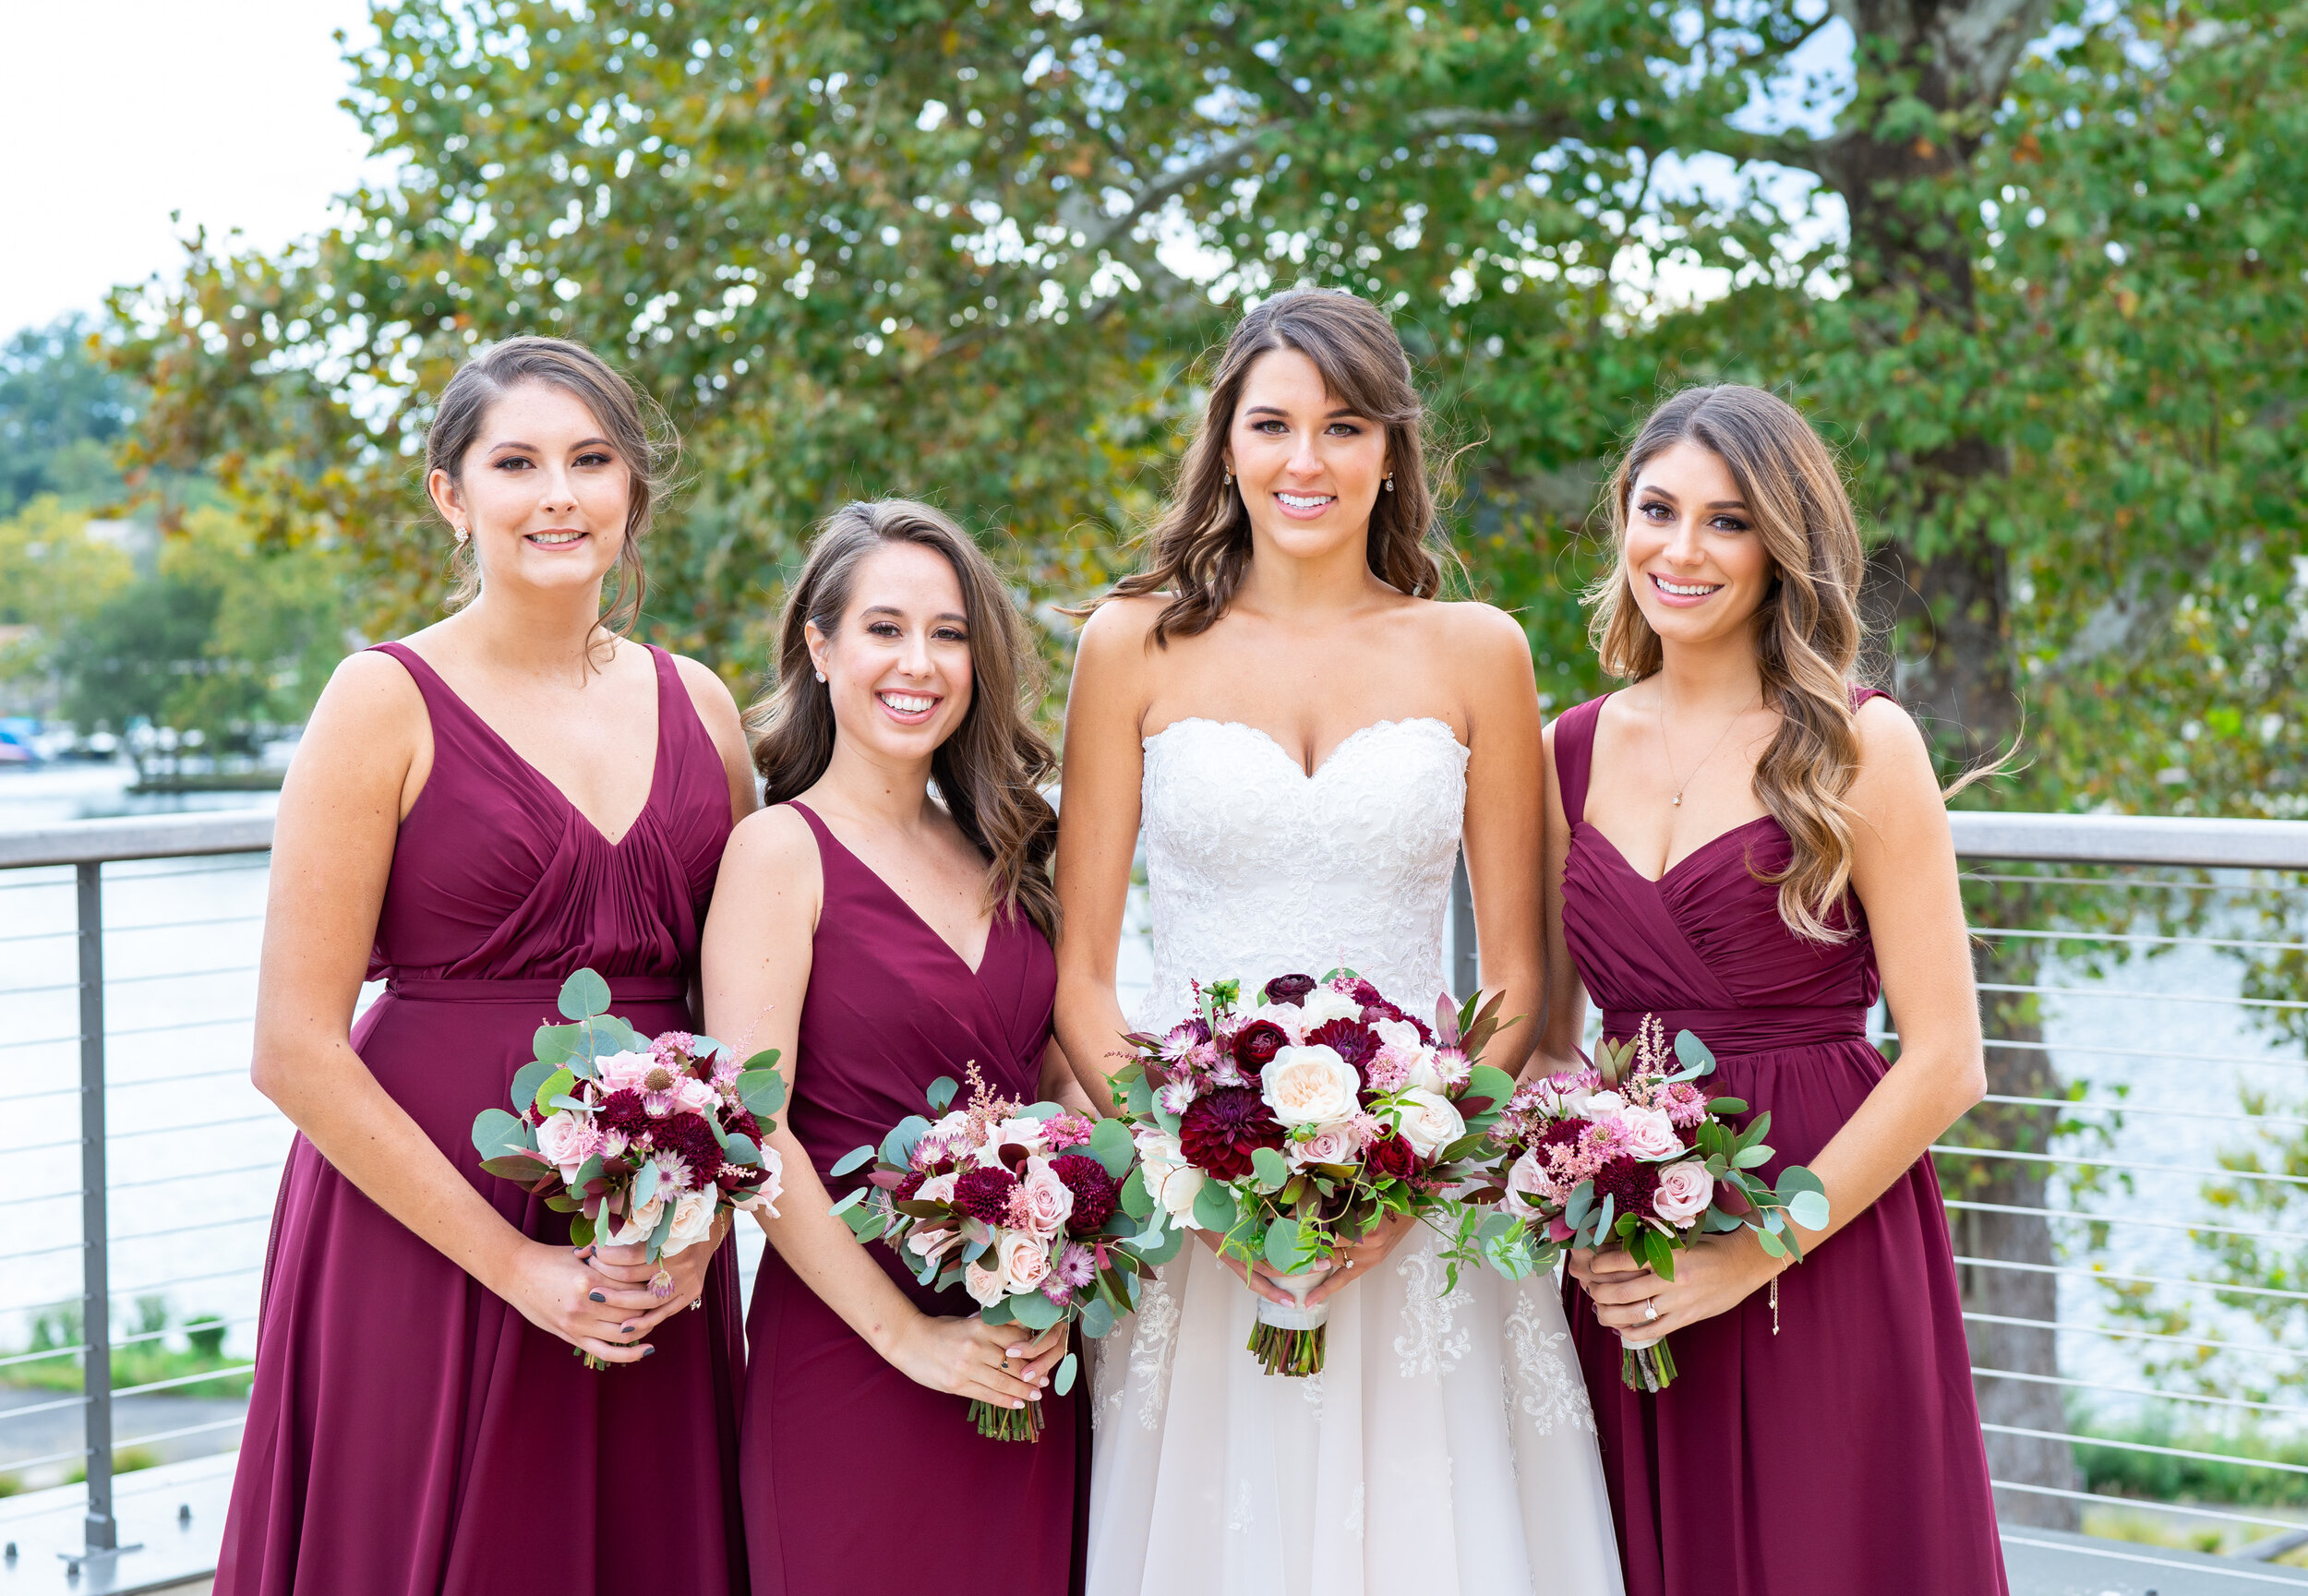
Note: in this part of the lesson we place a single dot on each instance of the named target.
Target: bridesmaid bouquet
(1021, 1204)
(646, 1140)
(1631, 1153)
(1294, 1127)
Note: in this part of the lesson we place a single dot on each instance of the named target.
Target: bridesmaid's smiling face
(1693, 558)
(542, 491)
(1308, 469)
(897, 668)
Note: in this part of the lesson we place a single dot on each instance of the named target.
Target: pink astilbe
(987, 1107)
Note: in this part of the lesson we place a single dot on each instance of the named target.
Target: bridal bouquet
(1293, 1126)
(646, 1140)
(1631, 1153)
(1019, 1204)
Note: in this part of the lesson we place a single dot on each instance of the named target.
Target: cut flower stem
(1008, 1423)
(1296, 1353)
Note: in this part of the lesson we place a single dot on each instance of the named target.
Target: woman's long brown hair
(1806, 630)
(1198, 550)
(988, 771)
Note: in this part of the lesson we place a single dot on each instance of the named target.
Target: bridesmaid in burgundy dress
(1739, 841)
(511, 795)
(880, 939)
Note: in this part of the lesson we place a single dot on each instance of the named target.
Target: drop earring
(1230, 479)
(1388, 484)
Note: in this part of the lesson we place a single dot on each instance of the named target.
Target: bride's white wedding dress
(1446, 1447)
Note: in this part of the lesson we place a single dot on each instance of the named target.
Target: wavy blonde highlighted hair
(1806, 630)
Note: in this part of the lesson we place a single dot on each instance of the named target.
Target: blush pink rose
(1042, 1202)
(626, 1072)
(1685, 1190)
(983, 1284)
(1334, 1145)
(1023, 1259)
(1649, 1134)
(1530, 1190)
(696, 1096)
(566, 1140)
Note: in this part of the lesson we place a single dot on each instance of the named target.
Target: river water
(196, 1151)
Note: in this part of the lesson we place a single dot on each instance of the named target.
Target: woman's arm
(341, 811)
(757, 955)
(1506, 766)
(1903, 873)
(1564, 1017)
(1098, 833)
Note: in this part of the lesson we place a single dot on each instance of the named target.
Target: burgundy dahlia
(741, 1122)
(905, 1188)
(691, 1136)
(1290, 989)
(1630, 1181)
(985, 1194)
(1357, 1043)
(1094, 1191)
(1391, 1155)
(624, 1112)
(1256, 1043)
(1221, 1129)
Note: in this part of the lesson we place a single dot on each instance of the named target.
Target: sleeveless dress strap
(1860, 695)
(1574, 754)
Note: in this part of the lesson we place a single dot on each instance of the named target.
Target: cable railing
(2143, 960)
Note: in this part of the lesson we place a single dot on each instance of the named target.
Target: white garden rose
(1323, 1005)
(692, 1220)
(1170, 1180)
(1423, 1075)
(635, 1229)
(1429, 1120)
(1399, 1033)
(1310, 1086)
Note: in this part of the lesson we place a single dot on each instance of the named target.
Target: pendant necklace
(1668, 748)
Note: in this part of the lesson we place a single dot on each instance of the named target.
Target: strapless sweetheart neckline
(1271, 740)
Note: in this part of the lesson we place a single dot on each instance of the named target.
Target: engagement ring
(1651, 1310)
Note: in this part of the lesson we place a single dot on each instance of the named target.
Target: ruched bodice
(1254, 868)
(497, 875)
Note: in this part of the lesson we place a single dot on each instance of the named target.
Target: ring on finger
(1650, 1309)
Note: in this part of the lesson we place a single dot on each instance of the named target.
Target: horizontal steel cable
(2106, 994)
(2157, 1110)
(203, 1125)
(2138, 937)
(2133, 1279)
(2148, 1447)
(8, 1415)
(2160, 1336)
(1964, 1203)
(130, 980)
(2129, 882)
(173, 1081)
(150, 1286)
(193, 1175)
(2012, 1538)
(2097, 1051)
(2097, 1499)
(126, 1236)
(146, 1440)
(1946, 1151)
(2138, 1391)
(233, 1372)
(185, 925)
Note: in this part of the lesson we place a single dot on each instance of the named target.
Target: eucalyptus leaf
(1137, 1201)
(553, 1046)
(1110, 1144)
(941, 1095)
(1062, 1381)
(496, 1131)
(1157, 1247)
(1272, 1172)
(1751, 1158)
(665, 1227)
(854, 1159)
(1214, 1208)
(1035, 1311)
(584, 995)
(1808, 1209)
(1282, 1245)
(764, 1059)
(849, 1202)
(1097, 1318)
(528, 1078)
(740, 1150)
(761, 1091)
(645, 1184)
(1000, 1311)
(898, 1145)
(587, 1172)
(1693, 1052)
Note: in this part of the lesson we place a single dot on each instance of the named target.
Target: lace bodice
(1255, 869)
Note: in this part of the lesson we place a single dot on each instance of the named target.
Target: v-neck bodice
(891, 1007)
(497, 876)
(1706, 937)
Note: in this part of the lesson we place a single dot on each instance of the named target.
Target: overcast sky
(114, 112)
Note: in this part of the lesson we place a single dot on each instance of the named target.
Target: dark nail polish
(625, 1329)
(596, 1297)
(649, 1351)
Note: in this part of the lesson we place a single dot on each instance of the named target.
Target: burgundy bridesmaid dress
(410, 1433)
(857, 1479)
(1838, 1450)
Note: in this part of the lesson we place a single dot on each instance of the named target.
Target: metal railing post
(103, 1531)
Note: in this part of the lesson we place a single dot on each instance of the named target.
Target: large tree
(2037, 264)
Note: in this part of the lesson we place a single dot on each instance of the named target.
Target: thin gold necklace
(1668, 748)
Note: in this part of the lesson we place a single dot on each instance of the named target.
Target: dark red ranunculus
(1350, 1040)
(622, 1111)
(1363, 992)
(1630, 1181)
(1220, 1130)
(1382, 1010)
(985, 1194)
(1290, 989)
(1391, 1155)
(1256, 1043)
(1094, 1191)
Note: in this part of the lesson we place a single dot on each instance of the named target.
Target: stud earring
(1388, 484)
(820, 676)
(462, 534)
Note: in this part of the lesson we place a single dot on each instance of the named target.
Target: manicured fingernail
(649, 1351)
(1017, 1404)
(625, 1329)
(596, 1296)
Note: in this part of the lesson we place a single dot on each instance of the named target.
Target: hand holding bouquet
(646, 1140)
(1017, 1203)
(1633, 1154)
(1294, 1127)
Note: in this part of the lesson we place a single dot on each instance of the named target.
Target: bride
(1306, 736)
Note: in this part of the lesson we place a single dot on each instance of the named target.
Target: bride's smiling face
(897, 668)
(1308, 469)
(1693, 558)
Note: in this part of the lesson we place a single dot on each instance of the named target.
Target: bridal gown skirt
(1445, 1449)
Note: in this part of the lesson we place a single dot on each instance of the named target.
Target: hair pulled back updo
(1198, 549)
(635, 427)
(988, 771)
